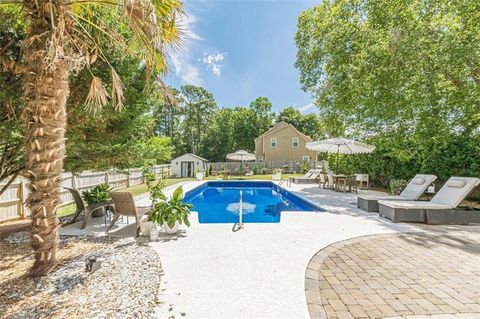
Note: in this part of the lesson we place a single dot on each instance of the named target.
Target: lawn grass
(142, 188)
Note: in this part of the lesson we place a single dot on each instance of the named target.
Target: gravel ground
(126, 285)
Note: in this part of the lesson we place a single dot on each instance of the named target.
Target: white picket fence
(289, 166)
(12, 201)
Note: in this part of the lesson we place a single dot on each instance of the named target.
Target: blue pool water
(263, 202)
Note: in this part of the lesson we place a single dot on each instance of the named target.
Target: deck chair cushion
(417, 186)
(452, 193)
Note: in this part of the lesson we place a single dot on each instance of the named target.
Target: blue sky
(239, 50)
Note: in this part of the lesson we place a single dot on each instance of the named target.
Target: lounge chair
(82, 208)
(455, 190)
(124, 205)
(309, 178)
(412, 191)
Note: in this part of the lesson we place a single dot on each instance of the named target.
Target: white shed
(187, 164)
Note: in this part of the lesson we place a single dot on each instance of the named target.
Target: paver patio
(432, 273)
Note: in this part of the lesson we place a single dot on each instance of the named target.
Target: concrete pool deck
(258, 272)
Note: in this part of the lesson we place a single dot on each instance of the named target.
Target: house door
(187, 169)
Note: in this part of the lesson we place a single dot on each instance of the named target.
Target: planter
(99, 212)
(199, 175)
(277, 176)
(145, 226)
(169, 230)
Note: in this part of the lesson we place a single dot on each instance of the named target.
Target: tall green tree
(264, 115)
(198, 105)
(308, 124)
(402, 75)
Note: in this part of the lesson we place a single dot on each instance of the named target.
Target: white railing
(12, 201)
(240, 211)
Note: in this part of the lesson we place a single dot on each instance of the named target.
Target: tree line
(196, 124)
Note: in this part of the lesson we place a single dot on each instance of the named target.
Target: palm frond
(97, 95)
(117, 91)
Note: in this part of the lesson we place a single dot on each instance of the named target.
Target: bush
(397, 186)
(255, 170)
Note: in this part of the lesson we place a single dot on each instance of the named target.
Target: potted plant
(98, 194)
(199, 174)
(277, 175)
(171, 213)
(155, 188)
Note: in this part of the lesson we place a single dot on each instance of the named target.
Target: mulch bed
(125, 286)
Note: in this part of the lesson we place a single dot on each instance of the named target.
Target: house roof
(193, 155)
(282, 125)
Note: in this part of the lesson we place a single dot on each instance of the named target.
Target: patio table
(340, 180)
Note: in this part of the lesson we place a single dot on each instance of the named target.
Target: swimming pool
(263, 202)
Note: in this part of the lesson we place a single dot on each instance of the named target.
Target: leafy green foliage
(396, 186)
(97, 194)
(308, 124)
(400, 75)
(155, 187)
(171, 211)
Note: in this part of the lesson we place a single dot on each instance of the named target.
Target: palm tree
(62, 37)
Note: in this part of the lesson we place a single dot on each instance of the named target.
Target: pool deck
(259, 271)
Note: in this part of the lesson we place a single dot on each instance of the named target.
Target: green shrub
(97, 194)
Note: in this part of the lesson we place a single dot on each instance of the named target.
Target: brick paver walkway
(430, 274)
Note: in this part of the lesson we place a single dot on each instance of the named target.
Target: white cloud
(213, 61)
(306, 108)
(181, 59)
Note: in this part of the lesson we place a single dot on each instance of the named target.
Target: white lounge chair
(455, 190)
(412, 191)
(307, 178)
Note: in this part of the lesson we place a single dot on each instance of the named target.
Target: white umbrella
(241, 156)
(340, 146)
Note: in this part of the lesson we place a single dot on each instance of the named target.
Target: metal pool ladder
(240, 215)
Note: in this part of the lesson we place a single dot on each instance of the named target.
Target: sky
(240, 50)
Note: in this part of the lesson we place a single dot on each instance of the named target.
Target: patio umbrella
(340, 146)
(241, 156)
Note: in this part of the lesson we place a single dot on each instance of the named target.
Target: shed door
(187, 169)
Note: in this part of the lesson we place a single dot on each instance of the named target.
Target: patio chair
(412, 191)
(351, 183)
(331, 180)
(322, 180)
(455, 190)
(307, 178)
(124, 205)
(82, 208)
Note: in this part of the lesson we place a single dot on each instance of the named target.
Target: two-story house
(283, 142)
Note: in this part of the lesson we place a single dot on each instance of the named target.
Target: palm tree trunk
(45, 94)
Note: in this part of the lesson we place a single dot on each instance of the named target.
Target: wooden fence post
(128, 177)
(74, 181)
(106, 178)
(21, 196)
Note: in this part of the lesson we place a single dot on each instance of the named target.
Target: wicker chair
(351, 183)
(81, 208)
(124, 205)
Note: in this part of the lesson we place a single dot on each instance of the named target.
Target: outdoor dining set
(337, 182)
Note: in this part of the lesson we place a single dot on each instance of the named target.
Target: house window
(295, 142)
(273, 142)
(260, 158)
(306, 158)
